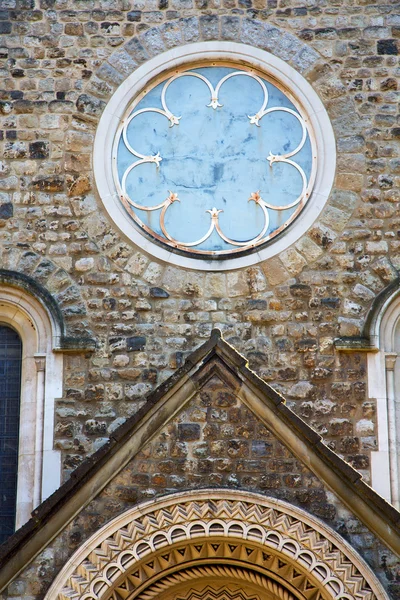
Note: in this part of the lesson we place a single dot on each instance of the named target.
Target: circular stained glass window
(214, 160)
(214, 156)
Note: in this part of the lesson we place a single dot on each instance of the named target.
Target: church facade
(199, 300)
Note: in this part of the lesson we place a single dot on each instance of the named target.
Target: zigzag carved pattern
(208, 593)
(151, 572)
(276, 529)
(215, 594)
(222, 572)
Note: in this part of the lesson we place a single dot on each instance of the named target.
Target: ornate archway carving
(190, 566)
(179, 545)
(225, 582)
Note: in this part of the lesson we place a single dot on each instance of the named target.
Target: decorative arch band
(218, 527)
(219, 575)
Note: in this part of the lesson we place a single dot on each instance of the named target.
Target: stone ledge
(354, 344)
(74, 345)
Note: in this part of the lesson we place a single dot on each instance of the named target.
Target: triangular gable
(214, 358)
(216, 440)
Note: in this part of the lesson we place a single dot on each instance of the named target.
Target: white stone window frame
(39, 465)
(384, 387)
(294, 84)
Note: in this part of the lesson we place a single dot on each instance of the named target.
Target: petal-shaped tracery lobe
(271, 225)
(126, 125)
(255, 197)
(256, 117)
(152, 159)
(275, 158)
(177, 76)
(174, 198)
(301, 196)
(281, 157)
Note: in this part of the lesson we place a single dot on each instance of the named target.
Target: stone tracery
(286, 201)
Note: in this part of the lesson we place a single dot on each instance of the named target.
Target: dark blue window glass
(10, 392)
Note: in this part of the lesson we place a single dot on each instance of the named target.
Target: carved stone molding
(281, 542)
(202, 559)
(219, 593)
(224, 574)
(390, 361)
(40, 361)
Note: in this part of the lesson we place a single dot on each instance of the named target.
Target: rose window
(214, 160)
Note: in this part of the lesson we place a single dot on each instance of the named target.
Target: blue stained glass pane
(215, 160)
(10, 392)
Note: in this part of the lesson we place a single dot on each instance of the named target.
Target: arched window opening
(38, 463)
(10, 395)
(30, 464)
(384, 387)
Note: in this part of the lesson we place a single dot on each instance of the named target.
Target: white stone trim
(39, 466)
(380, 472)
(276, 68)
(384, 386)
(383, 325)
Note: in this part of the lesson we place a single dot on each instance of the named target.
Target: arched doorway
(216, 544)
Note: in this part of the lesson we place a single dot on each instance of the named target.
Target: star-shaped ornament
(255, 196)
(214, 212)
(254, 120)
(173, 197)
(272, 158)
(214, 103)
(156, 158)
(173, 120)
